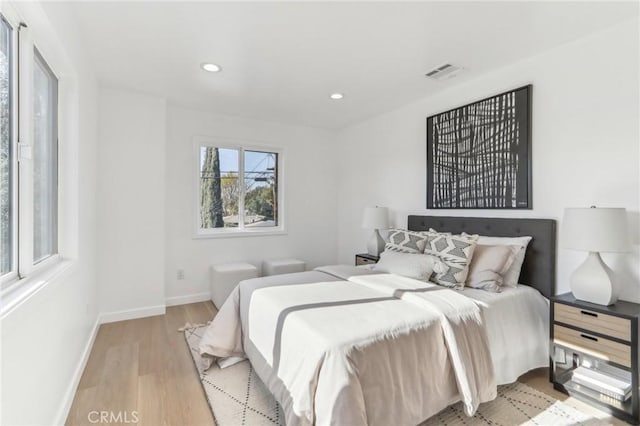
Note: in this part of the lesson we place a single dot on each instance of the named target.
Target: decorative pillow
(518, 246)
(411, 265)
(455, 251)
(405, 241)
(488, 266)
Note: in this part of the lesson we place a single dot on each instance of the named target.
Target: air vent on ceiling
(444, 71)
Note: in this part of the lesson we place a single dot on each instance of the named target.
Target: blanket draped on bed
(366, 351)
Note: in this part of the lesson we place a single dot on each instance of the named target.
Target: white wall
(311, 208)
(585, 145)
(131, 212)
(147, 173)
(45, 339)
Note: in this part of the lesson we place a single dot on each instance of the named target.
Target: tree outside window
(238, 188)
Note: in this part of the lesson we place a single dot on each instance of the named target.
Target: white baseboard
(190, 298)
(149, 311)
(70, 393)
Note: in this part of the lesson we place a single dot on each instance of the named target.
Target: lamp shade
(376, 218)
(595, 229)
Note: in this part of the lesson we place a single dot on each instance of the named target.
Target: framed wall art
(479, 155)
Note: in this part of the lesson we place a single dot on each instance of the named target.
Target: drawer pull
(591, 314)
(595, 339)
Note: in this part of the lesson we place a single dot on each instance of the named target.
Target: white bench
(282, 266)
(225, 277)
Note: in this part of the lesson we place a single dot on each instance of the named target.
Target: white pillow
(412, 265)
(488, 266)
(519, 248)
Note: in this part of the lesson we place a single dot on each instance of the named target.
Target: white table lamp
(375, 218)
(595, 230)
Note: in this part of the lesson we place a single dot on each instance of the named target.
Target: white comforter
(378, 349)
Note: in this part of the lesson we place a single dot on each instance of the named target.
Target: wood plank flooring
(142, 370)
(144, 367)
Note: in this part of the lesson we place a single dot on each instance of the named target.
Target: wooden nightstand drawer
(364, 261)
(603, 339)
(608, 325)
(593, 345)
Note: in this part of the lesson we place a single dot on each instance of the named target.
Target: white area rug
(235, 394)
(238, 397)
(519, 404)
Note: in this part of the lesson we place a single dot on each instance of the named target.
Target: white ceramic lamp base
(375, 246)
(593, 282)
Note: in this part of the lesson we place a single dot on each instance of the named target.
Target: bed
(346, 345)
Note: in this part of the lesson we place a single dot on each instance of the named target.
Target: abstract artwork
(479, 155)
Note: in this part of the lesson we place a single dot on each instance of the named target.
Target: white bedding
(516, 333)
(517, 329)
(321, 339)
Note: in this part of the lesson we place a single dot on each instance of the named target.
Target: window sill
(238, 234)
(21, 290)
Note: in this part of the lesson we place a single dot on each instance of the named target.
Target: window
(7, 153)
(45, 160)
(239, 190)
(28, 156)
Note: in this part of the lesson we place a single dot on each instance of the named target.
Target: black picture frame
(479, 154)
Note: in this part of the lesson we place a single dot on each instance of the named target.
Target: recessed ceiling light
(336, 96)
(211, 67)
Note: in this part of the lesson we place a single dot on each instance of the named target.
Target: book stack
(612, 384)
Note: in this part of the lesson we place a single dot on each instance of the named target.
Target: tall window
(45, 160)
(239, 190)
(6, 149)
(29, 159)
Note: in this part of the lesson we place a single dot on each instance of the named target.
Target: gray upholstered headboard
(539, 268)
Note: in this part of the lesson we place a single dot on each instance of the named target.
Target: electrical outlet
(180, 274)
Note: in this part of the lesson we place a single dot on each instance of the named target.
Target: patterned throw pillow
(405, 241)
(455, 251)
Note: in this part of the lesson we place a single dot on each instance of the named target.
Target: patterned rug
(238, 397)
(235, 394)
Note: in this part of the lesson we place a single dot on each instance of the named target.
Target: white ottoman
(225, 277)
(282, 266)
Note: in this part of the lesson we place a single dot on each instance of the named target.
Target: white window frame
(241, 230)
(37, 55)
(12, 275)
(28, 276)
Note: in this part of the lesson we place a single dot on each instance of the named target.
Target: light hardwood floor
(144, 366)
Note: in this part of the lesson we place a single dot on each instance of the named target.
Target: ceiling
(281, 61)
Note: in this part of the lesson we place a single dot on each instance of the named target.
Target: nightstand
(594, 354)
(366, 259)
